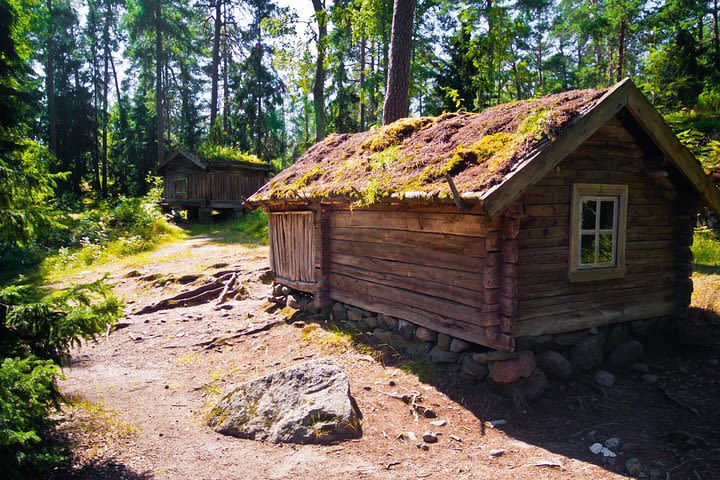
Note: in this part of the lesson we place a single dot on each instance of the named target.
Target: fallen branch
(682, 404)
(216, 342)
(223, 295)
(196, 296)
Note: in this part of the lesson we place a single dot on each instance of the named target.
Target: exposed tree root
(222, 288)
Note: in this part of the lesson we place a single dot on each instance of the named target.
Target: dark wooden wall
(659, 230)
(216, 187)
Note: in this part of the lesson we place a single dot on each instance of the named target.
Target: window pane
(589, 208)
(607, 212)
(605, 254)
(587, 249)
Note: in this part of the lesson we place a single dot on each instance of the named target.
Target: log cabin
(558, 214)
(199, 184)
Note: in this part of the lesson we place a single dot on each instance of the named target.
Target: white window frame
(582, 192)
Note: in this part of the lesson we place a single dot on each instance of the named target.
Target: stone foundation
(559, 356)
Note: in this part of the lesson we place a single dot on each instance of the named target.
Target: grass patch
(93, 427)
(706, 279)
(251, 229)
(427, 372)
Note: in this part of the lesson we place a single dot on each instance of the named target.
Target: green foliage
(253, 227)
(208, 150)
(48, 324)
(27, 397)
(706, 249)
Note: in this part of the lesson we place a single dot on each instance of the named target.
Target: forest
(94, 94)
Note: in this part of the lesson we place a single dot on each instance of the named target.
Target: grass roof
(230, 154)
(415, 155)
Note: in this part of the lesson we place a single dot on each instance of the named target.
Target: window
(597, 236)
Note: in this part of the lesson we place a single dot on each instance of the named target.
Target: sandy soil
(141, 395)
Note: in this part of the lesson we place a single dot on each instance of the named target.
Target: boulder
(532, 386)
(353, 314)
(406, 329)
(372, 322)
(510, 371)
(587, 353)
(306, 403)
(459, 346)
(393, 339)
(494, 356)
(387, 322)
(293, 301)
(418, 350)
(475, 370)
(625, 354)
(425, 334)
(338, 312)
(604, 378)
(444, 341)
(438, 355)
(554, 364)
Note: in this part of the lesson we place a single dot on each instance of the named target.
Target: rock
(387, 322)
(444, 341)
(284, 290)
(438, 423)
(338, 312)
(493, 356)
(587, 353)
(438, 355)
(497, 452)
(625, 354)
(538, 343)
(277, 290)
(568, 339)
(429, 437)
(408, 436)
(293, 301)
(615, 335)
(406, 329)
(372, 322)
(633, 467)
(649, 378)
(424, 446)
(303, 303)
(353, 314)
(604, 379)
(475, 370)
(425, 334)
(311, 308)
(361, 325)
(306, 403)
(393, 339)
(612, 443)
(417, 350)
(429, 413)
(510, 371)
(533, 386)
(596, 447)
(554, 364)
(459, 346)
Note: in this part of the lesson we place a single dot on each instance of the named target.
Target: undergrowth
(706, 279)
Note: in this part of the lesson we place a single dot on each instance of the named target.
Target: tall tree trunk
(396, 94)
(226, 63)
(92, 27)
(716, 35)
(215, 66)
(361, 124)
(106, 81)
(50, 81)
(319, 85)
(621, 50)
(373, 85)
(159, 111)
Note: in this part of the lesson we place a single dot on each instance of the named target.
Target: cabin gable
(657, 232)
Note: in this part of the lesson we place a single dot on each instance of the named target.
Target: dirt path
(142, 393)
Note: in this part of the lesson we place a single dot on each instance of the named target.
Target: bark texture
(396, 96)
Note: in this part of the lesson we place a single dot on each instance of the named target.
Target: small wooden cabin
(535, 217)
(199, 184)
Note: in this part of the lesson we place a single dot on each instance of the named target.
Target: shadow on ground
(105, 469)
(669, 421)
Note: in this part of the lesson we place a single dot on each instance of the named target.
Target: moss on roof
(415, 154)
(218, 152)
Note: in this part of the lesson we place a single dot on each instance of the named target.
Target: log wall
(659, 230)
(442, 270)
(213, 187)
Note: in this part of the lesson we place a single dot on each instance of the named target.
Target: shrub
(27, 396)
